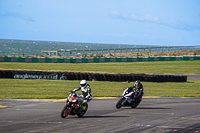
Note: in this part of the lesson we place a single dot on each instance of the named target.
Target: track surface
(153, 115)
(191, 76)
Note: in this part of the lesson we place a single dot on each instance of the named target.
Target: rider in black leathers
(140, 91)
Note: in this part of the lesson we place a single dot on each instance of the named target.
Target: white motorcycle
(127, 98)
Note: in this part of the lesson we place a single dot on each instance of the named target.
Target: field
(48, 89)
(165, 67)
(44, 89)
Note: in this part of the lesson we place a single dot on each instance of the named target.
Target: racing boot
(83, 105)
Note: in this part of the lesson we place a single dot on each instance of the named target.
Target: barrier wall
(91, 76)
(95, 60)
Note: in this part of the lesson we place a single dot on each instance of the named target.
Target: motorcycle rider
(86, 92)
(140, 91)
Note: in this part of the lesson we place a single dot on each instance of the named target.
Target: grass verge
(58, 89)
(165, 67)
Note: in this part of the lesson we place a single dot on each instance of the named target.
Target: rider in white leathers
(86, 91)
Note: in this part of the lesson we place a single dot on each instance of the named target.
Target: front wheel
(65, 112)
(119, 103)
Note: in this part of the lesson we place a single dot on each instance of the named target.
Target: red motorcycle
(74, 105)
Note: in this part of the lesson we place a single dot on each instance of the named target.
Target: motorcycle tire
(119, 103)
(64, 112)
(136, 104)
(83, 111)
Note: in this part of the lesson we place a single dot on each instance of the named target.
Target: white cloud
(17, 15)
(156, 20)
(146, 17)
(134, 17)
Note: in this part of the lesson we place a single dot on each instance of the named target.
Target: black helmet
(137, 84)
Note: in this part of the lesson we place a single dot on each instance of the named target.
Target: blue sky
(142, 22)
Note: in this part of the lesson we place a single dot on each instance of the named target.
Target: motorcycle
(127, 100)
(74, 105)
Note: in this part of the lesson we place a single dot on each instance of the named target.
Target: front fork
(70, 108)
(123, 99)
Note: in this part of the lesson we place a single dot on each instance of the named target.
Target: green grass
(165, 67)
(19, 88)
(49, 89)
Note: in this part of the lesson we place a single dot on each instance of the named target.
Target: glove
(71, 91)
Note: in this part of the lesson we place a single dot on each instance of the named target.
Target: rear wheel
(133, 106)
(119, 103)
(64, 112)
(83, 111)
(136, 104)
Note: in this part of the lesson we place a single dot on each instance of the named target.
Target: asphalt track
(191, 76)
(153, 115)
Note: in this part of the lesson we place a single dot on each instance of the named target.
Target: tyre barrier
(91, 76)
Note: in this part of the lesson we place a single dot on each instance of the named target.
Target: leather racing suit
(86, 92)
(140, 92)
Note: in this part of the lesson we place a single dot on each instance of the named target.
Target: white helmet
(83, 83)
